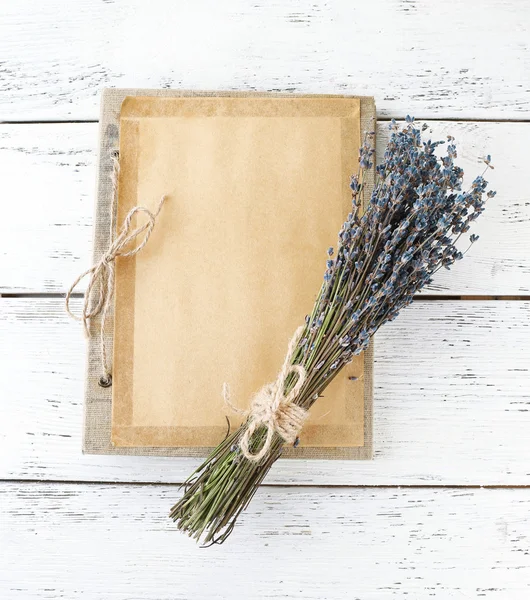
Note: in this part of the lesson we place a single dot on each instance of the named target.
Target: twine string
(100, 288)
(272, 408)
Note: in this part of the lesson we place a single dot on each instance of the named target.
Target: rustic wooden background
(443, 510)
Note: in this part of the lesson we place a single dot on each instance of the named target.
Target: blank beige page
(257, 189)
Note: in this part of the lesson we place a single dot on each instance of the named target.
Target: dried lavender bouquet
(416, 214)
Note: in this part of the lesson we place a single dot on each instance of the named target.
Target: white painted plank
(452, 402)
(47, 183)
(109, 541)
(47, 175)
(431, 59)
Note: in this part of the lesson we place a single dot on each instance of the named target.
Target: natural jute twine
(272, 408)
(102, 274)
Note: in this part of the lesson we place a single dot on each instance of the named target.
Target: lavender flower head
(415, 216)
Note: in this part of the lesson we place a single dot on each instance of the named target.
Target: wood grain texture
(451, 402)
(429, 59)
(48, 174)
(108, 541)
(48, 182)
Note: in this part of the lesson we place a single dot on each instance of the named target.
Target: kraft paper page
(257, 191)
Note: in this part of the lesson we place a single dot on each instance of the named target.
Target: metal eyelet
(105, 381)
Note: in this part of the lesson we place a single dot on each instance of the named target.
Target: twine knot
(102, 274)
(272, 408)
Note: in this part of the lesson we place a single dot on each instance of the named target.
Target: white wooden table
(443, 510)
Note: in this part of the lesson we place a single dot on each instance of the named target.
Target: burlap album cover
(256, 188)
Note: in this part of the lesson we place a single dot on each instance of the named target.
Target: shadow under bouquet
(414, 218)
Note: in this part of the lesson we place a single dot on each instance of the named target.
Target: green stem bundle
(408, 231)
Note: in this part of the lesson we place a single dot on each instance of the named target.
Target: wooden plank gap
(417, 298)
(432, 486)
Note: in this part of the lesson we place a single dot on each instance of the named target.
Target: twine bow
(102, 275)
(272, 408)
